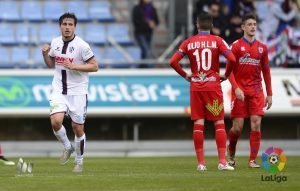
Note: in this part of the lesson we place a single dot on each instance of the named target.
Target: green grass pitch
(149, 173)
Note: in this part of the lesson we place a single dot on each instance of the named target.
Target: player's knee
(56, 125)
(255, 123)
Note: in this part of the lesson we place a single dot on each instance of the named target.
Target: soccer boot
(201, 167)
(253, 164)
(6, 162)
(231, 157)
(66, 155)
(225, 167)
(78, 168)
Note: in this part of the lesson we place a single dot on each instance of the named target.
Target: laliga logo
(273, 159)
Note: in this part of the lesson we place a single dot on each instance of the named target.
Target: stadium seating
(120, 32)
(22, 34)
(48, 32)
(9, 11)
(95, 34)
(53, 10)
(7, 36)
(20, 57)
(5, 58)
(80, 8)
(101, 11)
(27, 24)
(32, 11)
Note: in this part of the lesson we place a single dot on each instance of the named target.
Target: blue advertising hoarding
(112, 91)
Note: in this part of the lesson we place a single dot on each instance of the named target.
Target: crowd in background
(278, 25)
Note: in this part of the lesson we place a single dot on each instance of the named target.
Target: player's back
(203, 51)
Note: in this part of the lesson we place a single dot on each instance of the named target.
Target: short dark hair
(68, 15)
(247, 17)
(204, 20)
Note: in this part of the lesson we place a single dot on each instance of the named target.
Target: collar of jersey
(248, 41)
(70, 39)
(204, 33)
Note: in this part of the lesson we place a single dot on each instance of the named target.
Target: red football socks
(255, 137)
(198, 142)
(221, 142)
(233, 139)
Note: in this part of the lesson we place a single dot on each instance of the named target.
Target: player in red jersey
(206, 97)
(4, 160)
(247, 93)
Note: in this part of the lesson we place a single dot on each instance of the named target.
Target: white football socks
(79, 148)
(61, 135)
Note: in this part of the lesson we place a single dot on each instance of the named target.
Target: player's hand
(223, 78)
(188, 77)
(268, 102)
(68, 64)
(239, 94)
(45, 49)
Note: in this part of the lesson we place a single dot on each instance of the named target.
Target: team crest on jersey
(215, 108)
(71, 49)
(260, 50)
(243, 48)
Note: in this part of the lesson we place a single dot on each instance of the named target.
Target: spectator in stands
(218, 22)
(279, 11)
(4, 160)
(145, 19)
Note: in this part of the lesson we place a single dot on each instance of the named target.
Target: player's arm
(229, 67)
(90, 66)
(174, 63)
(227, 53)
(49, 61)
(267, 78)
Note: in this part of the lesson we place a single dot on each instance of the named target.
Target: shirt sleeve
(223, 47)
(86, 52)
(183, 48)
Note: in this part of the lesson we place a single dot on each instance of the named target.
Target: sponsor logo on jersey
(71, 49)
(202, 78)
(250, 61)
(215, 108)
(60, 60)
(57, 49)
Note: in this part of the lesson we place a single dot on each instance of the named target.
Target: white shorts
(73, 105)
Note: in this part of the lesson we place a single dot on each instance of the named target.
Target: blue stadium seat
(134, 52)
(48, 32)
(32, 11)
(53, 10)
(7, 35)
(78, 31)
(95, 34)
(38, 60)
(112, 54)
(20, 56)
(80, 9)
(22, 34)
(9, 11)
(5, 58)
(120, 32)
(101, 11)
(97, 52)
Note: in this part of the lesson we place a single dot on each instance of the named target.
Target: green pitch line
(145, 174)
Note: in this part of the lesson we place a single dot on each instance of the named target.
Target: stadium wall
(143, 93)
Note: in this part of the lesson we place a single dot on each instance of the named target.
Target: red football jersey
(252, 59)
(203, 51)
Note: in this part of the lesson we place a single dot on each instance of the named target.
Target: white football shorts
(74, 106)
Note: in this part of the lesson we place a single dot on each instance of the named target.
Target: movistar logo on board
(13, 93)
